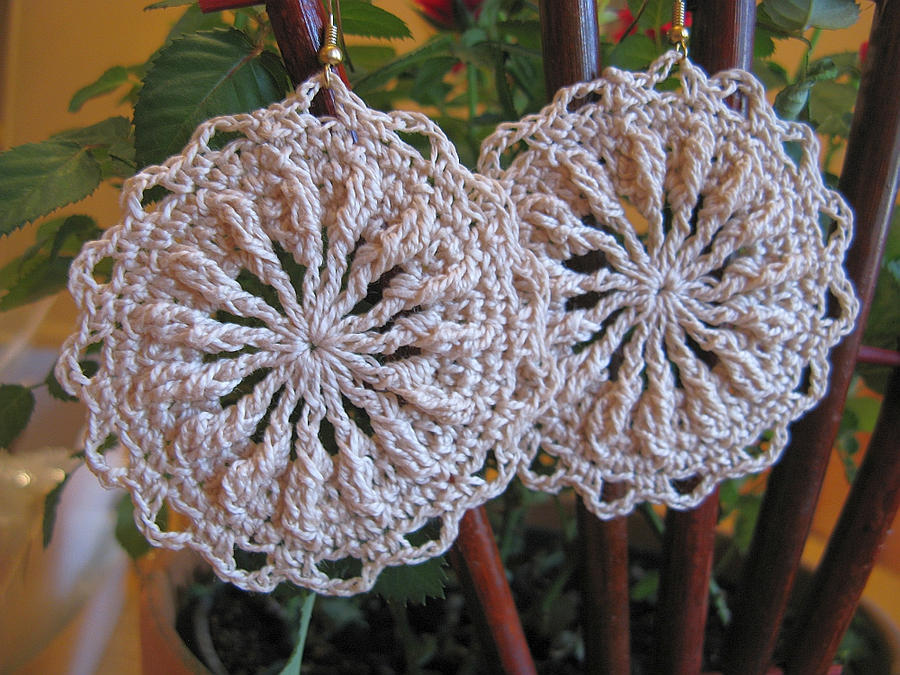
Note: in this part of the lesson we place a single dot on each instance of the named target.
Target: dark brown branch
(869, 182)
(723, 38)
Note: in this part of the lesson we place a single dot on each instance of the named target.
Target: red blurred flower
(441, 11)
(863, 52)
(625, 19)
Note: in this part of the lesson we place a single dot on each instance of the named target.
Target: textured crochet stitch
(320, 347)
(696, 280)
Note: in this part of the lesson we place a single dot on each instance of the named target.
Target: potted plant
(481, 67)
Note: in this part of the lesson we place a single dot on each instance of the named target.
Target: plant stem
(406, 636)
(295, 663)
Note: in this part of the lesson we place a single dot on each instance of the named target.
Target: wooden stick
(605, 614)
(680, 623)
(723, 38)
(569, 34)
(475, 554)
(877, 356)
(853, 547)
(869, 182)
(207, 6)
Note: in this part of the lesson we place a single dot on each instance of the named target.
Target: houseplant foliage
(481, 67)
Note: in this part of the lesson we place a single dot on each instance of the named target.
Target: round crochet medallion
(695, 259)
(311, 344)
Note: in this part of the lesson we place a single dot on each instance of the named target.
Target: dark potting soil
(367, 635)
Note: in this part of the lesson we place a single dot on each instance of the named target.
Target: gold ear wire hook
(678, 33)
(330, 54)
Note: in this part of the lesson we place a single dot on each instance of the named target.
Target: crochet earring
(695, 259)
(309, 347)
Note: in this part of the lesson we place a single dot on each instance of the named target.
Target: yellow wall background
(50, 48)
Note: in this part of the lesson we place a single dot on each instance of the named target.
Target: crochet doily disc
(696, 280)
(310, 345)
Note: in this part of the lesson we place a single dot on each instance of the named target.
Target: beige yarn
(696, 280)
(311, 345)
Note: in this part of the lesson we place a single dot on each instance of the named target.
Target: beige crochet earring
(696, 279)
(311, 345)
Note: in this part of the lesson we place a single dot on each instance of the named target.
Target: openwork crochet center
(313, 346)
(695, 259)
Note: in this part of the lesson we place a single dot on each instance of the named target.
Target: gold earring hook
(678, 33)
(330, 54)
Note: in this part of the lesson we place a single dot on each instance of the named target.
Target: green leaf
(16, 406)
(831, 107)
(635, 52)
(127, 534)
(111, 132)
(45, 276)
(413, 583)
(655, 13)
(51, 505)
(798, 15)
(109, 81)
(41, 270)
(771, 74)
(194, 20)
(646, 587)
(162, 4)
(370, 57)
(363, 18)
(197, 77)
(375, 80)
(38, 178)
(747, 509)
(763, 43)
(54, 388)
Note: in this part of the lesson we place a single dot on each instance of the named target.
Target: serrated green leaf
(16, 406)
(798, 15)
(110, 132)
(51, 505)
(197, 77)
(367, 20)
(763, 43)
(38, 178)
(54, 388)
(413, 583)
(109, 81)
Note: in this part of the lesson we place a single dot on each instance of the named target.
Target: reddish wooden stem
(876, 356)
(684, 588)
(723, 38)
(603, 552)
(208, 6)
(569, 34)
(869, 181)
(853, 547)
(475, 554)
